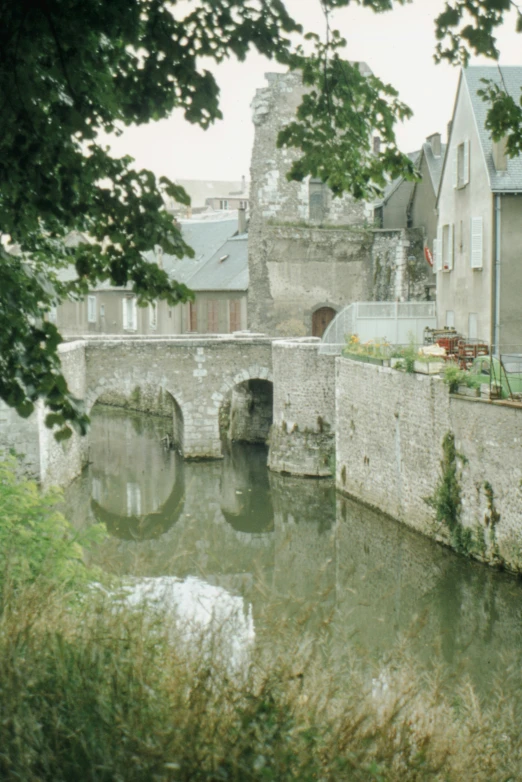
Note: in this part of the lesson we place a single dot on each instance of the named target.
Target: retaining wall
(390, 428)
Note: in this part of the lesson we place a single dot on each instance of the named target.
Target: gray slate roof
(210, 240)
(390, 189)
(510, 79)
(205, 238)
(226, 270)
(435, 164)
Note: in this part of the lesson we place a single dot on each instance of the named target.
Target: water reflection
(137, 487)
(291, 547)
(246, 502)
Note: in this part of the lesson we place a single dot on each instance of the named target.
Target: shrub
(37, 544)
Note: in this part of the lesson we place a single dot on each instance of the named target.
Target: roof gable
(508, 78)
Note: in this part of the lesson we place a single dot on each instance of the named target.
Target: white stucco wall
(464, 290)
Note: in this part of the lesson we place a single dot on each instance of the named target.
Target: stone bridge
(204, 387)
(196, 376)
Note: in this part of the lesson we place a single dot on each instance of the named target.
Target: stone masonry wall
(295, 270)
(302, 435)
(300, 262)
(20, 435)
(198, 373)
(61, 462)
(295, 267)
(399, 270)
(389, 436)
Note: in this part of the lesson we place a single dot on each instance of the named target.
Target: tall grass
(95, 694)
(94, 690)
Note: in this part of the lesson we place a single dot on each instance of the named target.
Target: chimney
(434, 142)
(376, 145)
(499, 154)
(241, 221)
(450, 125)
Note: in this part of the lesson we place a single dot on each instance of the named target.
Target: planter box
(429, 367)
(490, 392)
(366, 359)
(466, 391)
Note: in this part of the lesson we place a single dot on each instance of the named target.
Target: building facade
(477, 258)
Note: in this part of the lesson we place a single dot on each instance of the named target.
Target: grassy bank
(89, 692)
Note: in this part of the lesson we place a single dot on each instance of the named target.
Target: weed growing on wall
(492, 519)
(447, 498)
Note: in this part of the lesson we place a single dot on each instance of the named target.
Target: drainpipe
(496, 296)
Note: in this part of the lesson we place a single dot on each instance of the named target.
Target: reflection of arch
(245, 498)
(321, 319)
(151, 525)
(146, 398)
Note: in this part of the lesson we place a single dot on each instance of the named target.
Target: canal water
(292, 550)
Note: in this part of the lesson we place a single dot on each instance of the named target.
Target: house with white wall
(478, 250)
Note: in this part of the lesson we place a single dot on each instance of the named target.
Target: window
(91, 309)
(102, 310)
(443, 248)
(317, 200)
(153, 315)
(243, 204)
(476, 243)
(223, 204)
(212, 316)
(450, 319)
(192, 316)
(234, 311)
(473, 325)
(130, 318)
(461, 165)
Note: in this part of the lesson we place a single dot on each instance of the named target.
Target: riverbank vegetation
(94, 690)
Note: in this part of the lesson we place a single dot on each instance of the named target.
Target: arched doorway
(321, 319)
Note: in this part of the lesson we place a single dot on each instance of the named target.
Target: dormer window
(462, 165)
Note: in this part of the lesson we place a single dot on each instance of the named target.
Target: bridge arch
(245, 404)
(151, 398)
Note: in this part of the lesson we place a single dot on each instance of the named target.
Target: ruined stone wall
(399, 271)
(20, 435)
(61, 462)
(297, 270)
(302, 435)
(389, 442)
(300, 261)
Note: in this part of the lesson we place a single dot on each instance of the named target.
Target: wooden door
(321, 319)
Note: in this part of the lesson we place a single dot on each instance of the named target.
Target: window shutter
(476, 243)
(456, 167)
(466, 163)
(437, 246)
(91, 309)
(450, 246)
(134, 319)
(125, 318)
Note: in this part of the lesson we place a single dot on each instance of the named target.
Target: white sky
(398, 46)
